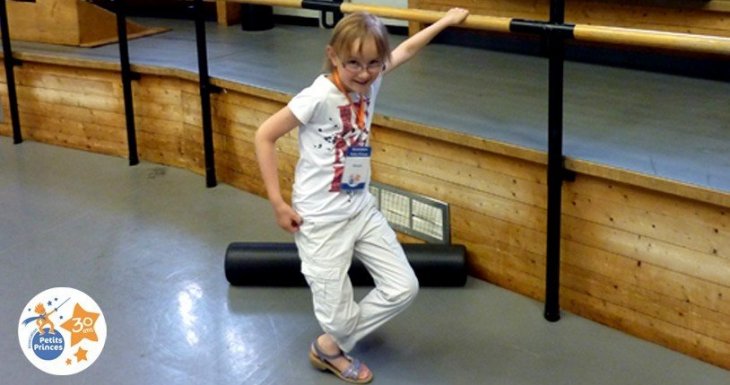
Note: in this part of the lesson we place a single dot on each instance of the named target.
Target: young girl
(333, 216)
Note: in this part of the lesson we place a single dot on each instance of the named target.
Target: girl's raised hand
(456, 15)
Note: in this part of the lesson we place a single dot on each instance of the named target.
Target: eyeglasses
(355, 66)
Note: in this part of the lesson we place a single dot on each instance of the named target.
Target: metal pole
(205, 89)
(556, 47)
(126, 82)
(10, 74)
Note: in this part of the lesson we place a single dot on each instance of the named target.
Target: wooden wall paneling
(529, 171)
(697, 345)
(625, 270)
(515, 153)
(652, 258)
(242, 115)
(676, 258)
(54, 105)
(67, 132)
(506, 267)
(55, 118)
(64, 78)
(490, 173)
(521, 269)
(526, 9)
(502, 224)
(677, 228)
(236, 118)
(5, 124)
(713, 219)
(646, 302)
(649, 16)
(655, 220)
(672, 189)
(496, 203)
(161, 132)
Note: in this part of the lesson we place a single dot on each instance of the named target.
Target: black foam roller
(278, 264)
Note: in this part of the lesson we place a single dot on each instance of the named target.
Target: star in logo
(81, 355)
(81, 325)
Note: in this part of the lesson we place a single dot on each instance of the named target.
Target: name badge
(356, 173)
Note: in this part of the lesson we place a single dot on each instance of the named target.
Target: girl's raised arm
(411, 46)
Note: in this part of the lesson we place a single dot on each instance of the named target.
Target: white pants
(326, 251)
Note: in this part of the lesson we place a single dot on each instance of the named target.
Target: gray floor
(147, 243)
(667, 126)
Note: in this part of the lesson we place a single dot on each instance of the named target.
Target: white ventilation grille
(417, 215)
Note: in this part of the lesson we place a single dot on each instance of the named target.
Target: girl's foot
(326, 355)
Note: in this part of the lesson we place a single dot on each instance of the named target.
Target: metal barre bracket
(214, 89)
(542, 28)
(322, 5)
(325, 7)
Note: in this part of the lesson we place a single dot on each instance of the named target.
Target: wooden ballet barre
(653, 39)
(479, 22)
(683, 42)
(273, 3)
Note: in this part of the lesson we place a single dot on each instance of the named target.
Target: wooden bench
(67, 22)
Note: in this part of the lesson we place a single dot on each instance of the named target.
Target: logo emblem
(62, 331)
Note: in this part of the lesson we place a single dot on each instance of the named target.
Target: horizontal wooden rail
(653, 39)
(478, 22)
(681, 42)
(275, 3)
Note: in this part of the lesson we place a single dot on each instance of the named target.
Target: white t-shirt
(328, 128)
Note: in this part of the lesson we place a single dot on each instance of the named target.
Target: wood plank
(69, 98)
(648, 303)
(469, 141)
(287, 144)
(84, 136)
(83, 24)
(408, 155)
(40, 78)
(646, 249)
(622, 271)
(650, 182)
(529, 171)
(493, 261)
(666, 204)
(650, 329)
(675, 225)
(82, 114)
(480, 227)
(659, 18)
(506, 210)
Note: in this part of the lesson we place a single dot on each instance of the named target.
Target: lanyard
(361, 111)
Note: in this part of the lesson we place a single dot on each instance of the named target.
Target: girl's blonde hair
(356, 28)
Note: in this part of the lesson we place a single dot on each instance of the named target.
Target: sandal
(321, 361)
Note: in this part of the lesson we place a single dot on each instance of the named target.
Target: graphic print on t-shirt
(349, 136)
